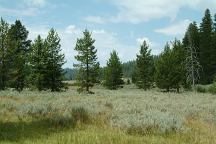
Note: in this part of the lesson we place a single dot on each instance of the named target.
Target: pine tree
(37, 61)
(170, 67)
(113, 72)
(178, 67)
(206, 58)
(88, 66)
(192, 37)
(18, 45)
(144, 68)
(54, 61)
(214, 48)
(3, 53)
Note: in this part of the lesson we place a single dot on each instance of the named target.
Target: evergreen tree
(144, 68)
(3, 53)
(54, 61)
(37, 61)
(214, 48)
(206, 58)
(192, 37)
(18, 45)
(178, 61)
(170, 67)
(113, 72)
(88, 66)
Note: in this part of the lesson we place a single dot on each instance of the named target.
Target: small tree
(88, 66)
(144, 68)
(113, 72)
(54, 62)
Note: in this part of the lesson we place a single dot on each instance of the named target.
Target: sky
(120, 25)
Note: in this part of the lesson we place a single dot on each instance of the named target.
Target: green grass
(123, 116)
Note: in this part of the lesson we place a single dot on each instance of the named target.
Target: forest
(165, 98)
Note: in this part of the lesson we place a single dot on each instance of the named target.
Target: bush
(80, 115)
(212, 88)
(201, 89)
(63, 121)
(128, 81)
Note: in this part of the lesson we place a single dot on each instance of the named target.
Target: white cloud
(105, 43)
(94, 19)
(25, 8)
(19, 12)
(71, 29)
(175, 29)
(136, 11)
(155, 47)
(36, 3)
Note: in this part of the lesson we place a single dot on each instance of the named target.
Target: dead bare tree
(193, 66)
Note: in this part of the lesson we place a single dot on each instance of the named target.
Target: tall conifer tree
(144, 68)
(18, 45)
(54, 60)
(206, 59)
(88, 65)
(4, 26)
(37, 62)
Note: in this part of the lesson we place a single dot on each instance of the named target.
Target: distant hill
(70, 74)
(128, 68)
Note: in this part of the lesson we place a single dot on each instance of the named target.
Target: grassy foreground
(110, 117)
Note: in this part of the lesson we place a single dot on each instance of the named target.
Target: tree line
(38, 64)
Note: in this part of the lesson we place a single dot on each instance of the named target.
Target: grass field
(124, 116)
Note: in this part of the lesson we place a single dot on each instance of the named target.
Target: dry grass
(127, 115)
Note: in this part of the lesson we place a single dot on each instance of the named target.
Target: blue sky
(115, 24)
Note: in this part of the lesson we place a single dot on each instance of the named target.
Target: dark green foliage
(170, 67)
(3, 54)
(212, 88)
(113, 72)
(213, 55)
(18, 53)
(144, 70)
(200, 89)
(192, 37)
(38, 61)
(88, 67)
(54, 61)
(206, 57)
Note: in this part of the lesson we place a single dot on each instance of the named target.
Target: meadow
(123, 116)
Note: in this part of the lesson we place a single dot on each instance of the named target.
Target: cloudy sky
(115, 24)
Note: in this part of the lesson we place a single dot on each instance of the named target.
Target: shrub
(80, 115)
(201, 89)
(63, 121)
(109, 105)
(128, 81)
(212, 88)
